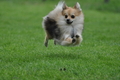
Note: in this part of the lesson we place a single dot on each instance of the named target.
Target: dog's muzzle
(68, 21)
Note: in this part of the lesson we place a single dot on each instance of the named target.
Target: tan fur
(70, 11)
(68, 40)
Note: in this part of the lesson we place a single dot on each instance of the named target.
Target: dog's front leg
(66, 42)
(78, 38)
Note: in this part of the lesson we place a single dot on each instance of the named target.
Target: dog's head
(70, 13)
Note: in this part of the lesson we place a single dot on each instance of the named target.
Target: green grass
(23, 55)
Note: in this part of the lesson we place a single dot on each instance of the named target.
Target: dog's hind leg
(54, 42)
(46, 41)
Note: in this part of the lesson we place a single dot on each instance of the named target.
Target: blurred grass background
(23, 55)
(101, 5)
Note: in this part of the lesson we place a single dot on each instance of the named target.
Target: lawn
(23, 55)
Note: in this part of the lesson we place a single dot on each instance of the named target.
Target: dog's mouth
(69, 22)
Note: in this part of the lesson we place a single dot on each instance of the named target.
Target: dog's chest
(66, 29)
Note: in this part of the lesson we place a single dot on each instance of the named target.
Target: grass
(23, 55)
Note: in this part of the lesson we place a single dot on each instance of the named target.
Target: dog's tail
(54, 13)
(57, 11)
(60, 5)
(49, 22)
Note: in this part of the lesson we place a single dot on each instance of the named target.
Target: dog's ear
(64, 6)
(77, 6)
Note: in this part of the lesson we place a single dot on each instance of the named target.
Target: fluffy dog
(64, 25)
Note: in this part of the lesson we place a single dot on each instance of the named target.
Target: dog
(64, 25)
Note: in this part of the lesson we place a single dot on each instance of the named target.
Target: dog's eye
(72, 16)
(66, 16)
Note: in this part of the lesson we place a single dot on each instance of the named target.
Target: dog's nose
(68, 20)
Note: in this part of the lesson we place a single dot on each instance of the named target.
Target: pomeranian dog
(64, 25)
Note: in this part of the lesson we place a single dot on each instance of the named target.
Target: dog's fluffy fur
(64, 25)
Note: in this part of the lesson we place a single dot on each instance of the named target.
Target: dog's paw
(73, 40)
(77, 36)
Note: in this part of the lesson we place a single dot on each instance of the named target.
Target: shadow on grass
(63, 56)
